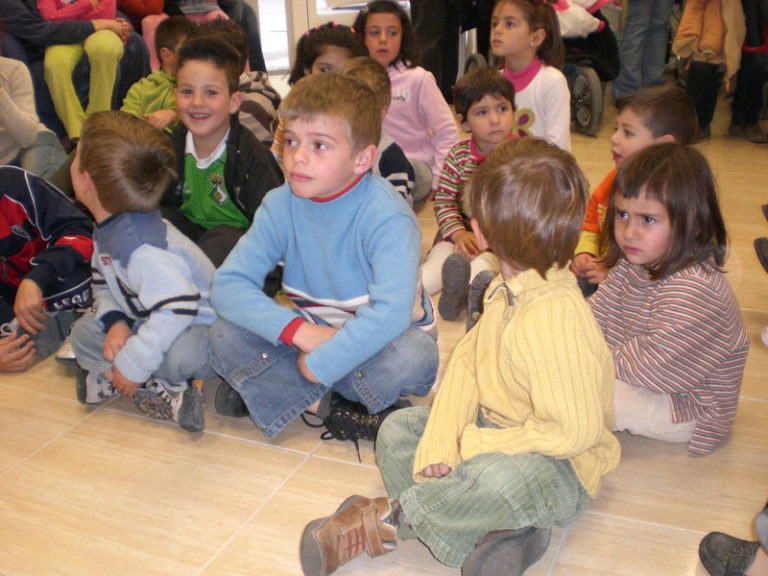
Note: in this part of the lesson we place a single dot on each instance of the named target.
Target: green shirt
(205, 199)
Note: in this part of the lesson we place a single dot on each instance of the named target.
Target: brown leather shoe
(357, 526)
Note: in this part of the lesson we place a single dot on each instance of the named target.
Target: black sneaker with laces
(350, 420)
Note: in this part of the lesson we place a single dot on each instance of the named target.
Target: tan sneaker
(357, 526)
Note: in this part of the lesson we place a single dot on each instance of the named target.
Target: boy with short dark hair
(153, 98)
(519, 436)
(485, 107)
(223, 171)
(147, 336)
(645, 117)
(391, 162)
(349, 347)
(258, 108)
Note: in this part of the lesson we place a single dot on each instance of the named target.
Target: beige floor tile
(662, 484)
(600, 546)
(123, 495)
(29, 421)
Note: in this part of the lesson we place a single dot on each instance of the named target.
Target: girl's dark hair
(313, 42)
(540, 15)
(679, 177)
(410, 53)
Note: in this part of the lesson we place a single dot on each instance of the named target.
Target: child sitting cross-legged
(519, 436)
(485, 106)
(350, 346)
(147, 336)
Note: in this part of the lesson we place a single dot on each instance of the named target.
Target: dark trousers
(437, 24)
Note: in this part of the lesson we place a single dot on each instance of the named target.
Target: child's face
(631, 135)
(512, 36)
(383, 34)
(490, 120)
(318, 158)
(329, 59)
(642, 229)
(204, 102)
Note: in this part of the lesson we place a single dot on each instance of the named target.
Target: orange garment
(589, 241)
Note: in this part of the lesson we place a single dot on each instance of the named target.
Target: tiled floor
(97, 491)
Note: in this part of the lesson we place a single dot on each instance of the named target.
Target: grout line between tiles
(51, 441)
(560, 547)
(255, 512)
(645, 523)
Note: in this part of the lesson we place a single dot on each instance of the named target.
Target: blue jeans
(268, 379)
(489, 492)
(643, 46)
(188, 357)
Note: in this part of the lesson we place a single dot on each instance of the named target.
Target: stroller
(590, 62)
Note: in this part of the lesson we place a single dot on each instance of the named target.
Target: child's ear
(538, 37)
(482, 243)
(666, 138)
(234, 102)
(164, 55)
(365, 159)
(464, 124)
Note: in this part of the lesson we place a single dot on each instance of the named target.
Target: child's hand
(125, 30)
(304, 369)
(464, 242)
(16, 353)
(436, 470)
(161, 118)
(309, 336)
(117, 335)
(581, 263)
(122, 384)
(28, 306)
(586, 266)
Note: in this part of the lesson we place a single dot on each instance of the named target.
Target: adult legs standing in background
(437, 24)
(245, 16)
(748, 99)
(643, 46)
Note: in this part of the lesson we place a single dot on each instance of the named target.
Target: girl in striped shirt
(668, 314)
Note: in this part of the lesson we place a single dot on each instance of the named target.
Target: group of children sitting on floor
(194, 235)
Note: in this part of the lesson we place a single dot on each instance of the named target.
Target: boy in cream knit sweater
(519, 435)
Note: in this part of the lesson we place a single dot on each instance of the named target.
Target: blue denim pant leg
(489, 492)
(266, 376)
(643, 46)
(268, 380)
(88, 343)
(657, 39)
(188, 357)
(405, 366)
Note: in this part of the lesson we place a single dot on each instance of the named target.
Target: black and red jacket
(43, 235)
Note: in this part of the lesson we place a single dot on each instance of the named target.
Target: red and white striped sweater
(682, 335)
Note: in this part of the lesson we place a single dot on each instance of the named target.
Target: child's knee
(103, 45)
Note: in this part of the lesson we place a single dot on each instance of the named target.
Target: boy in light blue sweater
(353, 343)
(147, 336)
